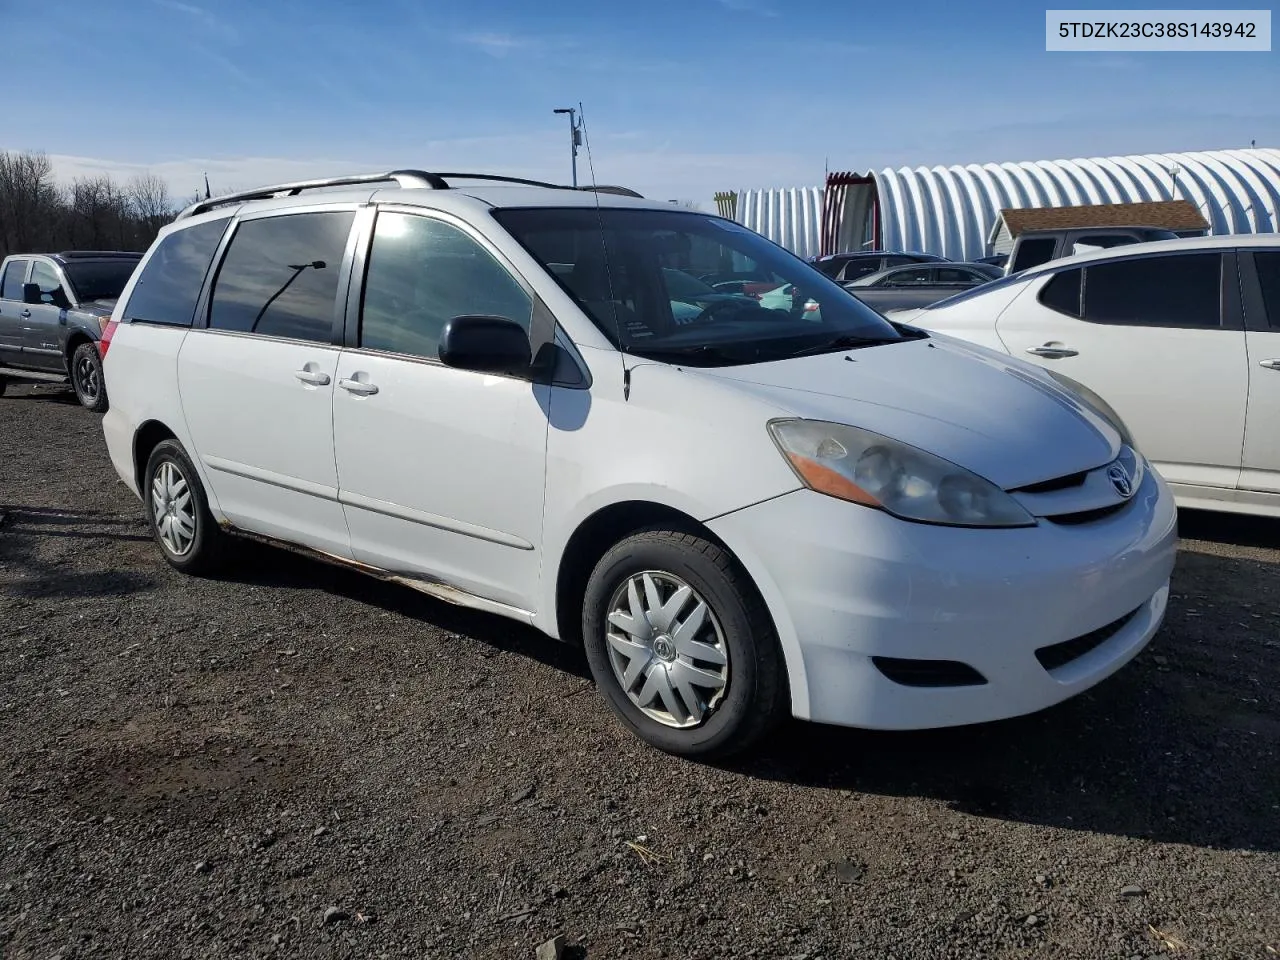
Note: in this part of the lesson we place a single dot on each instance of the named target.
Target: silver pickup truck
(53, 308)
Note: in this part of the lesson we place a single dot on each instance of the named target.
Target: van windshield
(691, 287)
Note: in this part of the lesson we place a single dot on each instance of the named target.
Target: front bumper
(847, 584)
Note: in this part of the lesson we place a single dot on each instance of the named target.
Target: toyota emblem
(1118, 474)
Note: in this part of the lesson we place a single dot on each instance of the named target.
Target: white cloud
(207, 19)
(498, 45)
(748, 6)
(495, 44)
(632, 160)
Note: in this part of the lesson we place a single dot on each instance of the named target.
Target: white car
(743, 516)
(788, 299)
(1181, 337)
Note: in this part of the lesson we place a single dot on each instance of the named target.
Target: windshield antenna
(617, 324)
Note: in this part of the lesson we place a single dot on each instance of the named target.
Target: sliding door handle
(358, 387)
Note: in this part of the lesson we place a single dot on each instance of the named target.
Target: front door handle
(25, 314)
(312, 376)
(1270, 364)
(1053, 351)
(358, 387)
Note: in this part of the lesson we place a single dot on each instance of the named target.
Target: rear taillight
(104, 341)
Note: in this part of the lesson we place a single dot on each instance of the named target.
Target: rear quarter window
(167, 290)
(1062, 293)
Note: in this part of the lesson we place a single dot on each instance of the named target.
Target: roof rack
(620, 191)
(405, 178)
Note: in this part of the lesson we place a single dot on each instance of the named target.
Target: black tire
(208, 545)
(755, 698)
(3, 384)
(87, 379)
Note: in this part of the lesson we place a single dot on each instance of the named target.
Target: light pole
(575, 139)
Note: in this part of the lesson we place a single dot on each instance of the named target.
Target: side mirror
(31, 293)
(486, 345)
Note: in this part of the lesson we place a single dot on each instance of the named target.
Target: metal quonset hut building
(953, 210)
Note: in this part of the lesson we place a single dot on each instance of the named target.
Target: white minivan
(535, 401)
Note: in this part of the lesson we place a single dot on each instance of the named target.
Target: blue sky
(681, 97)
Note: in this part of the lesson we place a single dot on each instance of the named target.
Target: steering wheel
(714, 307)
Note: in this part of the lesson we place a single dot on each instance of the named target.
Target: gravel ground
(300, 761)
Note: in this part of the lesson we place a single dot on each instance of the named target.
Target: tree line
(39, 215)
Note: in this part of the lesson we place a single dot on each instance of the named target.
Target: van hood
(1005, 420)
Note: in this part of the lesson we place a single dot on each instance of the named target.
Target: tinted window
(956, 275)
(1032, 253)
(616, 259)
(169, 285)
(859, 268)
(99, 279)
(423, 273)
(1062, 293)
(280, 276)
(50, 285)
(1106, 240)
(901, 278)
(831, 268)
(1268, 266)
(12, 285)
(1181, 291)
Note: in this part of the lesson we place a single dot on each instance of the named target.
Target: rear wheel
(682, 646)
(178, 512)
(86, 377)
(3, 384)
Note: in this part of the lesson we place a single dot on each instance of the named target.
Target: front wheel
(682, 646)
(86, 378)
(178, 512)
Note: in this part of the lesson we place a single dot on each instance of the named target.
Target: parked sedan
(918, 285)
(843, 267)
(1181, 337)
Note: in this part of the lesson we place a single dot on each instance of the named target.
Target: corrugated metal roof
(1167, 214)
(790, 217)
(950, 210)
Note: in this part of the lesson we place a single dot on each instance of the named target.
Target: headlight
(1096, 404)
(864, 467)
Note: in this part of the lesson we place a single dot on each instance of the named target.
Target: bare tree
(91, 213)
(149, 201)
(28, 201)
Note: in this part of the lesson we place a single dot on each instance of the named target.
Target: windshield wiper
(702, 351)
(844, 342)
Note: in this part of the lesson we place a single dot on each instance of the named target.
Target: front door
(12, 310)
(1261, 468)
(257, 383)
(43, 326)
(440, 470)
(1151, 337)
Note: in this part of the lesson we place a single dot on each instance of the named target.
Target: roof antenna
(617, 324)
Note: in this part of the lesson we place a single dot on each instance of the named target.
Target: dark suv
(844, 267)
(53, 308)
